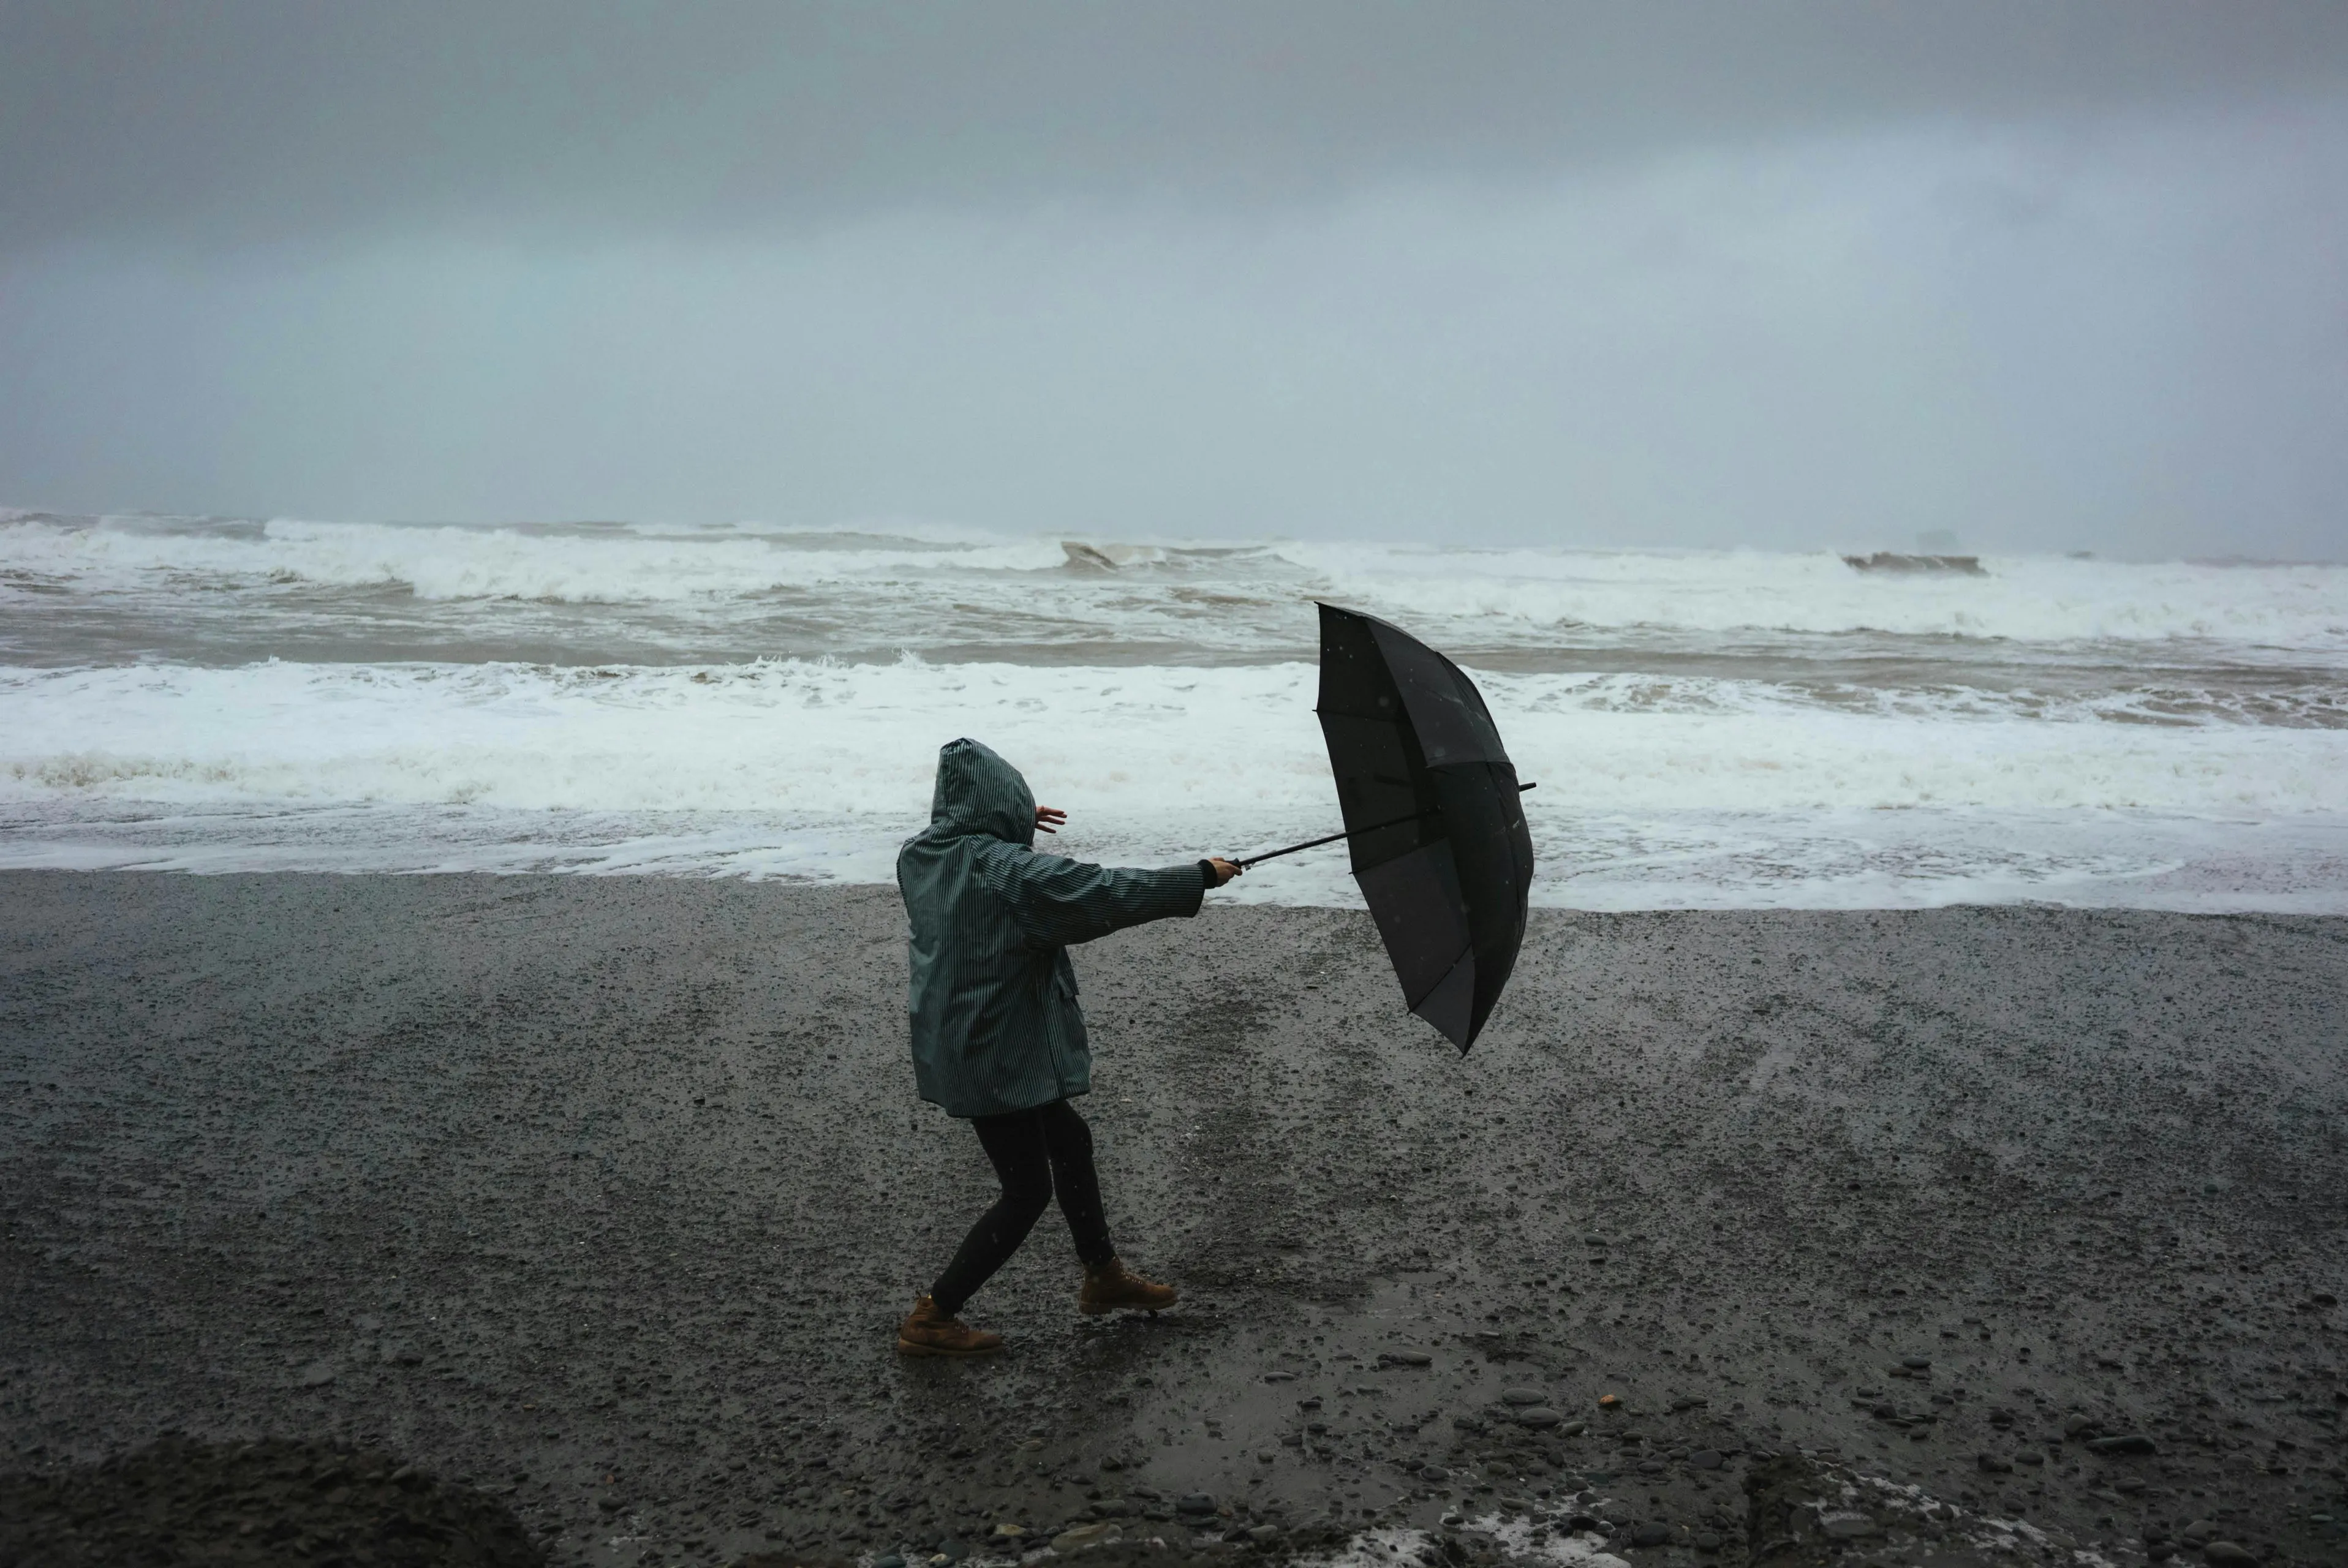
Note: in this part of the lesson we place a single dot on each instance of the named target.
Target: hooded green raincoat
(996, 1024)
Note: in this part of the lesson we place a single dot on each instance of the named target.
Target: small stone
(1280, 1376)
(1520, 1396)
(1706, 1541)
(1916, 1363)
(1405, 1358)
(1651, 1534)
(1994, 1465)
(1086, 1536)
(1609, 1401)
(2226, 1554)
(1003, 1532)
(318, 1375)
(1434, 1475)
(2078, 1426)
(2198, 1532)
(1706, 1459)
(1538, 1416)
(1264, 1534)
(889, 1560)
(2127, 1443)
(1848, 1526)
(1194, 1504)
(953, 1549)
(1575, 1428)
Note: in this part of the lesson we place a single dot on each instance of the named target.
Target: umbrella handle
(1350, 833)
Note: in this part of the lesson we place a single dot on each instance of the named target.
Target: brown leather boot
(927, 1331)
(1111, 1286)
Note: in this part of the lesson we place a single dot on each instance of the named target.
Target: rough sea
(1708, 728)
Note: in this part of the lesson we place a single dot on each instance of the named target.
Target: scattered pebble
(1088, 1535)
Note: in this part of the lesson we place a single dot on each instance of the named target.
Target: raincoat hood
(978, 792)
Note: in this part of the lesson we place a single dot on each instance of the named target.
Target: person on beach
(998, 1038)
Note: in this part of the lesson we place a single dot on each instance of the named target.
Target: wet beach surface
(606, 1194)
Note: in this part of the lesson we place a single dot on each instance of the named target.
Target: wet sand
(606, 1194)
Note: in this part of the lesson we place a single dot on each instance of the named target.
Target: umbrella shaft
(1351, 833)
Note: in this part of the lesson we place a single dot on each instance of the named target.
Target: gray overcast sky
(2046, 274)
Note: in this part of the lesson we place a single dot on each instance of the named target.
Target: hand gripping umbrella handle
(1350, 833)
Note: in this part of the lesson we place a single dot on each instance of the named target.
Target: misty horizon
(1789, 278)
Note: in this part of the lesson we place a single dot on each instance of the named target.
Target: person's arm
(1060, 903)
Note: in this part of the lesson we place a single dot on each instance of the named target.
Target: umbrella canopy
(1432, 816)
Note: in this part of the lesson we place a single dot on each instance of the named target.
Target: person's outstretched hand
(1225, 870)
(1048, 819)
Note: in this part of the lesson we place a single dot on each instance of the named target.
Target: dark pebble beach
(600, 1199)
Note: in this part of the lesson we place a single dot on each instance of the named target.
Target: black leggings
(1034, 1152)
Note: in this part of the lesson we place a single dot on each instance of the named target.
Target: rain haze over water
(1027, 371)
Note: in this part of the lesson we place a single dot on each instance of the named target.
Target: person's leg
(1070, 1144)
(1109, 1285)
(1016, 1147)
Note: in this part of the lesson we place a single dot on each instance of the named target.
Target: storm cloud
(2042, 275)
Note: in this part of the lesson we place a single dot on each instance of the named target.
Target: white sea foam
(618, 566)
(1228, 597)
(820, 737)
(1652, 793)
(1493, 595)
(1715, 728)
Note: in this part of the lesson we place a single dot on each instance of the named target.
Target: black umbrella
(1432, 816)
